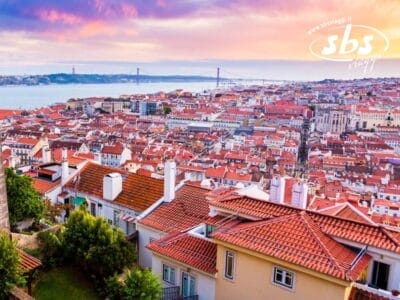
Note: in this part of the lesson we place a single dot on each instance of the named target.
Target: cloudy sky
(181, 36)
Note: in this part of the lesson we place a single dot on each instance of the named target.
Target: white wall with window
(384, 272)
(191, 282)
(145, 235)
(383, 269)
(169, 275)
(108, 210)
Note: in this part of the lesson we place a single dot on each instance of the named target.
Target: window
(380, 275)
(188, 285)
(229, 264)
(93, 208)
(283, 277)
(116, 217)
(209, 230)
(169, 274)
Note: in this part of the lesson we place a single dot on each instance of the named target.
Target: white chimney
(277, 190)
(112, 186)
(64, 167)
(169, 180)
(12, 161)
(46, 154)
(299, 195)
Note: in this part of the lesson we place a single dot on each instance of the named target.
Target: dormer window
(209, 230)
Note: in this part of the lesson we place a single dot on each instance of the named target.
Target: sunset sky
(41, 36)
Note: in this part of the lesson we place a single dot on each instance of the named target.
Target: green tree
(141, 285)
(10, 273)
(51, 248)
(167, 110)
(113, 288)
(92, 243)
(23, 200)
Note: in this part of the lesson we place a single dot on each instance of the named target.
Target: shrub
(10, 273)
(51, 248)
(95, 245)
(142, 285)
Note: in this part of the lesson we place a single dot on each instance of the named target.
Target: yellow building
(284, 258)
(254, 279)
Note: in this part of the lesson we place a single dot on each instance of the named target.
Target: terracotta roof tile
(189, 208)
(297, 239)
(44, 186)
(366, 234)
(138, 192)
(193, 251)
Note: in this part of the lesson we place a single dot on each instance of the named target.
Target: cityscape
(158, 166)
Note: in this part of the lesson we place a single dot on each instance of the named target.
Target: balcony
(363, 291)
(173, 293)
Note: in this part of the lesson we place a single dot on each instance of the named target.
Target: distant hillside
(63, 78)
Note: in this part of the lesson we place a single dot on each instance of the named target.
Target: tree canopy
(23, 200)
(138, 285)
(167, 110)
(95, 245)
(10, 274)
(141, 285)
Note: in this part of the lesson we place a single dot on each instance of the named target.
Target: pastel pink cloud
(54, 16)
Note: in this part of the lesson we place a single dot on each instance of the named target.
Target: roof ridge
(196, 186)
(312, 226)
(341, 218)
(390, 236)
(255, 224)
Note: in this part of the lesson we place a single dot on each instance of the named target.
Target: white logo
(340, 40)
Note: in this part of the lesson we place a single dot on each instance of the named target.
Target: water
(28, 97)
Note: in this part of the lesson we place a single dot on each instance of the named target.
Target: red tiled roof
(27, 141)
(6, 113)
(44, 186)
(138, 192)
(347, 211)
(253, 207)
(115, 149)
(238, 176)
(189, 208)
(195, 252)
(297, 239)
(366, 234)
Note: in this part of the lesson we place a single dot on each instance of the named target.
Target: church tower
(4, 218)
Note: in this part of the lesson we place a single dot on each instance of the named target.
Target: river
(28, 97)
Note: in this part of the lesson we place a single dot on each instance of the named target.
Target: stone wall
(30, 241)
(4, 220)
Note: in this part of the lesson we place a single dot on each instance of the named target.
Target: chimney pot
(112, 186)
(169, 180)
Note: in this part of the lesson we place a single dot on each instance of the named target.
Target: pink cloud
(54, 16)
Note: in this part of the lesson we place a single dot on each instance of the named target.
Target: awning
(128, 218)
(78, 201)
